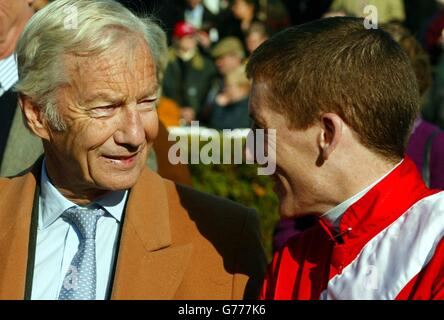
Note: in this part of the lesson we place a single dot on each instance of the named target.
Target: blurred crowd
(211, 40)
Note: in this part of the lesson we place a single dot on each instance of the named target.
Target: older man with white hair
(90, 221)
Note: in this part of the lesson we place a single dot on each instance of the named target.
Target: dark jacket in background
(302, 11)
(422, 131)
(188, 82)
(233, 116)
(8, 105)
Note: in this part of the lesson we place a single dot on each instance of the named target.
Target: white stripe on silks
(392, 258)
(8, 72)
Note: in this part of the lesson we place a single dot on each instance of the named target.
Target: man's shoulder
(431, 203)
(7, 183)
(12, 188)
(196, 214)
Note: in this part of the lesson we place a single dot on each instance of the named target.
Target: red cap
(182, 29)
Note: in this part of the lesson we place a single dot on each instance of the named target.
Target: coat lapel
(16, 206)
(148, 265)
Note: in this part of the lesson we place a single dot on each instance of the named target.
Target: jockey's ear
(332, 126)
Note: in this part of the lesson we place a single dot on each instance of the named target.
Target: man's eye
(148, 103)
(103, 110)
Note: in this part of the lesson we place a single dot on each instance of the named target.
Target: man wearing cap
(229, 55)
(189, 73)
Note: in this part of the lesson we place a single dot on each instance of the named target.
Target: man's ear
(33, 117)
(332, 126)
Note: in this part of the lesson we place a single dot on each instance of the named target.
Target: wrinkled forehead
(126, 67)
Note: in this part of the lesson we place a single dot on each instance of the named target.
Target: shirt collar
(333, 216)
(8, 73)
(385, 202)
(53, 203)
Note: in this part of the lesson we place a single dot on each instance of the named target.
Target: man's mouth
(126, 161)
(121, 157)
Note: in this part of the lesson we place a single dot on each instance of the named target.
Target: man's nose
(131, 130)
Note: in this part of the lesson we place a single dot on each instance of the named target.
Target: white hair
(76, 27)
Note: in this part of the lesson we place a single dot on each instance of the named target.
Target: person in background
(235, 20)
(14, 15)
(275, 15)
(302, 11)
(197, 14)
(189, 73)
(418, 14)
(255, 36)
(426, 143)
(205, 22)
(229, 55)
(388, 10)
(342, 99)
(434, 43)
(246, 11)
(230, 109)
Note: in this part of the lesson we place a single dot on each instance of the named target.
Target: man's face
(254, 40)
(187, 43)
(228, 62)
(297, 180)
(240, 8)
(109, 111)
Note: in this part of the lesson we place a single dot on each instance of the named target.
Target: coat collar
(148, 266)
(381, 205)
(17, 204)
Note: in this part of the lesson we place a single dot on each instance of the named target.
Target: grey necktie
(80, 280)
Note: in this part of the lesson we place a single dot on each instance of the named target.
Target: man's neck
(334, 215)
(355, 176)
(80, 196)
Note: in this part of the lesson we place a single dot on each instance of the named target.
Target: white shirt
(8, 73)
(195, 16)
(334, 215)
(57, 241)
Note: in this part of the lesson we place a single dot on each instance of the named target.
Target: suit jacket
(8, 103)
(175, 242)
(21, 148)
